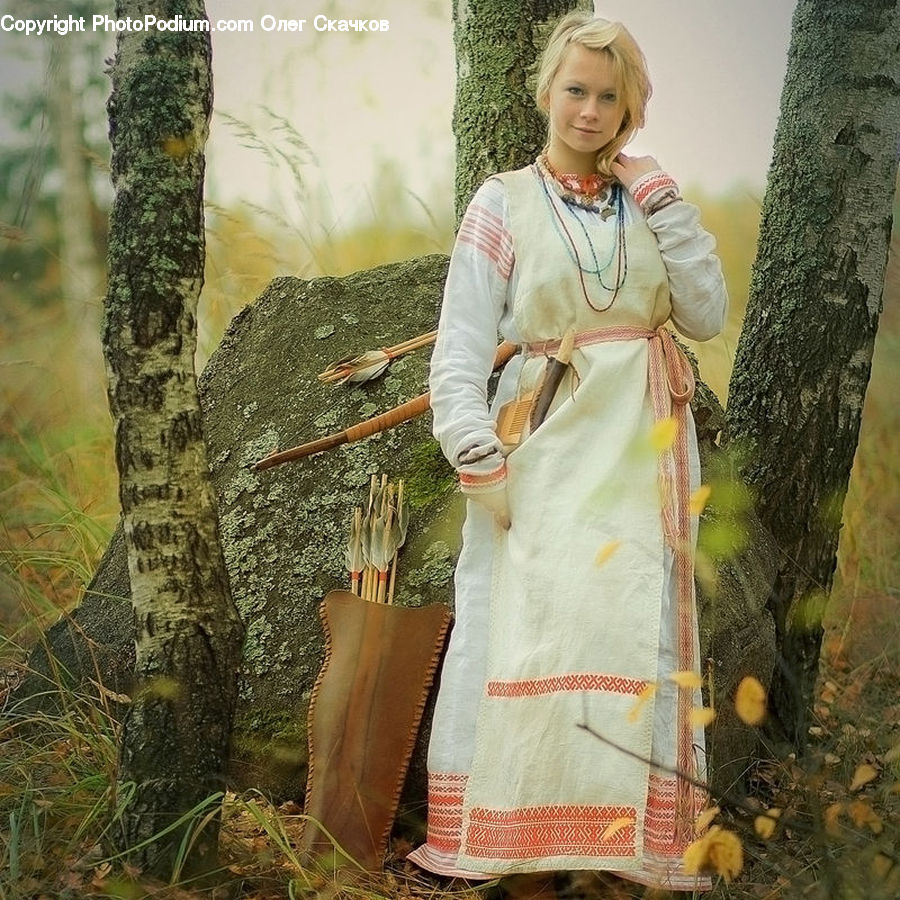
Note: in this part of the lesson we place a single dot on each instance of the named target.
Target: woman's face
(585, 109)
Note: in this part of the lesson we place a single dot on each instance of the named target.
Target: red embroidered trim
(539, 831)
(445, 802)
(642, 190)
(485, 232)
(581, 184)
(660, 834)
(477, 483)
(451, 782)
(580, 681)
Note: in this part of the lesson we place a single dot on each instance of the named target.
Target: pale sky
(717, 68)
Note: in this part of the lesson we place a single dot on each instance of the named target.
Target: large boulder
(284, 529)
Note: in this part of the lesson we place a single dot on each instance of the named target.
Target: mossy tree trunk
(495, 120)
(175, 741)
(803, 361)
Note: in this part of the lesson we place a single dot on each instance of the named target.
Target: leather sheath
(364, 715)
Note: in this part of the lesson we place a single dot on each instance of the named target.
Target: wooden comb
(512, 419)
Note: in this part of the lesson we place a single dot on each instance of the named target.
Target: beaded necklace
(619, 250)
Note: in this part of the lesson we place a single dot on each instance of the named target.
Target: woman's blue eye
(575, 90)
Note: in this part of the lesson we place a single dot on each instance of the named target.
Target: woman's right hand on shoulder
(628, 169)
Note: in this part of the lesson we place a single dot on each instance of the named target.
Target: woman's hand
(629, 168)
(494, 502)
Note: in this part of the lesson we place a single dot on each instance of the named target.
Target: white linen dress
(574, 615)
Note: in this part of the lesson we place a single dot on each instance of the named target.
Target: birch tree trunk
(803, 361)
(176, 734)
(495, 120)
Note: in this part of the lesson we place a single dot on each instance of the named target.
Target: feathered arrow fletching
(359, 367)
(363, 367)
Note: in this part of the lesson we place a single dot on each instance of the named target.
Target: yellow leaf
(606, 551)
(719, 850)
(686, 679)
(699, 499)
(863, 814)
(862, 776)
(893, 754)
(831, 816)
(702, 822)
(764, 825)
(663, 434)
(750, 701)
(701, 716)
(616, 826)
(696, 856)
(726, 853)
(646, 693)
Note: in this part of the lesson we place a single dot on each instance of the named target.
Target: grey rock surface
(284, 530)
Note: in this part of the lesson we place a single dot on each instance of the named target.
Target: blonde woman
(574, 587)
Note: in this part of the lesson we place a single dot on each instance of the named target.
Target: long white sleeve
(696, 283)
(475, 297)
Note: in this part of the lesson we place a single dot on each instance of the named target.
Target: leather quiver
(364, 715)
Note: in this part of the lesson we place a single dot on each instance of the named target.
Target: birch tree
(805, 352)
(175, 743)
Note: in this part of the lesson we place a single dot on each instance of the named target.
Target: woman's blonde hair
(629, 66)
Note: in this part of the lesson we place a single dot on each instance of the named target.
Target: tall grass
(57, 798)
(57, 493)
